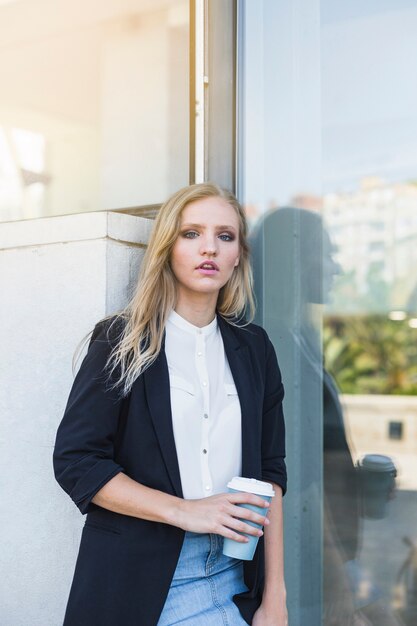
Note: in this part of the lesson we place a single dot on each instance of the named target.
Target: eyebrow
(220, 227)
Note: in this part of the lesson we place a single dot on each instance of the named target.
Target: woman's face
(207, 249)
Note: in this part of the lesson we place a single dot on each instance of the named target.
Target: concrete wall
(58, 277)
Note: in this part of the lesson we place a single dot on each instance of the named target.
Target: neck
(198, 313)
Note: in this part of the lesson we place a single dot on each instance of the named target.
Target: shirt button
(204, 383)
(205, 416)
(199, 331)
(204, 451)
(199, 353)
(207, 487)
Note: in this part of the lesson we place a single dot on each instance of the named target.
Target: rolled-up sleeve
(273, 427)
(83, 456)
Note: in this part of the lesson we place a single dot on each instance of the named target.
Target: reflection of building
(375, 232)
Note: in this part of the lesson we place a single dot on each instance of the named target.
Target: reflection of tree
(371, 354)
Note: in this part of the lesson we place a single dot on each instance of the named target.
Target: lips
(208, 265)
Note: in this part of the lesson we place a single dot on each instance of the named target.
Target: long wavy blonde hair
(144, 318)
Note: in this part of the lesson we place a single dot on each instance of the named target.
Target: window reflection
(286, 248)
(334, 234)
(295, 270)
(369, 337)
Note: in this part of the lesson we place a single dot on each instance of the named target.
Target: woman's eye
(192, 234)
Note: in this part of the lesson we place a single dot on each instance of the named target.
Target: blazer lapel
(157, 386)
(240, 365)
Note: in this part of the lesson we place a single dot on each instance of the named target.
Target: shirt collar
(182, 323)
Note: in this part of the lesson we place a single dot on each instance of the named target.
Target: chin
(208, 290)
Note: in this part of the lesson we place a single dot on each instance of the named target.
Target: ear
(237, 262)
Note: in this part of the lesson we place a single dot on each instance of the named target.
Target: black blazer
(125, 565)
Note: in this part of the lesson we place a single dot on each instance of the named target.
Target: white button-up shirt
(205, 407)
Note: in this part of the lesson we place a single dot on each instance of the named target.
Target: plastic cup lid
(251, 485)
(378, 463)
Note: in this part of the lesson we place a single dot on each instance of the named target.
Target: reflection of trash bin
(377, 474)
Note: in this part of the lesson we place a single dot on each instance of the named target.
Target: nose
(209, 245)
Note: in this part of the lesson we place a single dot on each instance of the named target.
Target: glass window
(327, 168)
(369, 125)
(94, 111)
(279, 184)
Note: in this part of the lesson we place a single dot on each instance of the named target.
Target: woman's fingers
(247, 514)
(228, 533)
(233, 528)
(221, 514)
(247, 498)
(237, 517)
(241, 527)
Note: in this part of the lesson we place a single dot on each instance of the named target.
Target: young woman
(176, 395)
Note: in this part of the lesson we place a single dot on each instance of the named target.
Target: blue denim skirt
(203, 585)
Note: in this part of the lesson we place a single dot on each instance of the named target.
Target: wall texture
(58, 277)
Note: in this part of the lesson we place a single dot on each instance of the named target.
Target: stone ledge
(378, 401)
(130, 229)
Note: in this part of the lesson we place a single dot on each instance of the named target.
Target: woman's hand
(268, 617)
(219, 515)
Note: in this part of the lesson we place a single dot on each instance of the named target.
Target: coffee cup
(236, 549)
(377, 474)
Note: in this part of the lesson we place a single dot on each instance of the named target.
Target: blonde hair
(146, 314)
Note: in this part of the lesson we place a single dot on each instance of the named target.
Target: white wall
(58, 277)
